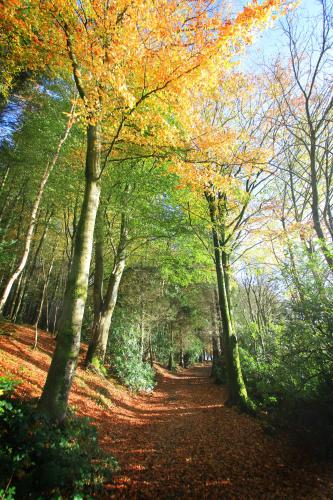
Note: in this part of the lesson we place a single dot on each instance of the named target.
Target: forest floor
(181, 441)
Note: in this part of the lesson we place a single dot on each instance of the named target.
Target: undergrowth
(40, 459)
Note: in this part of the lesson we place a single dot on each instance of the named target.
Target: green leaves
(127, 364)
(41, 459)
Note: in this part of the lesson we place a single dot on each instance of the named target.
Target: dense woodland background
(186, 220)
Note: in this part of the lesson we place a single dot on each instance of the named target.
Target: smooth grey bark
(104, 306)
(44, 291)
(236, 386)
(54, 400)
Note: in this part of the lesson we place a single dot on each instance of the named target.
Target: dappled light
(181, 440)
(166, 249)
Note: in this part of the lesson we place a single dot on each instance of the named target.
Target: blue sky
(271, 42)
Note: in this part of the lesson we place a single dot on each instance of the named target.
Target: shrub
(218, 372)
(193, 350)
(127, 362)
(42, 459)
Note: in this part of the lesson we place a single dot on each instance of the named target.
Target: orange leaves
(135, 63)
(254, 17)
(153, 44)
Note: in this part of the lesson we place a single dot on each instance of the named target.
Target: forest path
(183, 442)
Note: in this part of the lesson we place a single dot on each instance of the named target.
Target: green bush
(41, 459)
(193, 350)
(295, 386)
(6, 386)
(259, 379)
(219, 372)
(127, 362)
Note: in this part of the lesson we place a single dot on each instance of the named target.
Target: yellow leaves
(162, 42)
(292, 231)
(135, 61)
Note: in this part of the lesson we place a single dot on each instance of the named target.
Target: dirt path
(179, 442)
(182, 442)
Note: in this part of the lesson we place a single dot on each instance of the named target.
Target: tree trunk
(181, 353)
(54, 399)
(327, 251)
(97, 348)
(237, 390)
(142, 330)
(4, 178)
(151, 354)
(30, 270)
(215, 341)
(98, 286)
(171, 362)
(15, 298)
(40, 308)
(104, 308)
(20, 299)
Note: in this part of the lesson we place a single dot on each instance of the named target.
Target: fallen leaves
(181, 441)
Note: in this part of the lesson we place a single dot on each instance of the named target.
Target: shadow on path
(181, 441)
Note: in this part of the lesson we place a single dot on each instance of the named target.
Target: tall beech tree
(166, 46)
(302, 92)
(134, 213)
(230, 161)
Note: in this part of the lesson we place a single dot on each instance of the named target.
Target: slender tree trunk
(54, 299)
(54, 328)
(237, 390)
(181, 353)
(142, 329)
(327, 251)
(20, 299)
(47, 312)
(30, 270)
(40, 308)
(104, 308)
(28, 238)
(54, 400)
(151, 354)
(15, 298)
(171, 363)
(4, 178)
